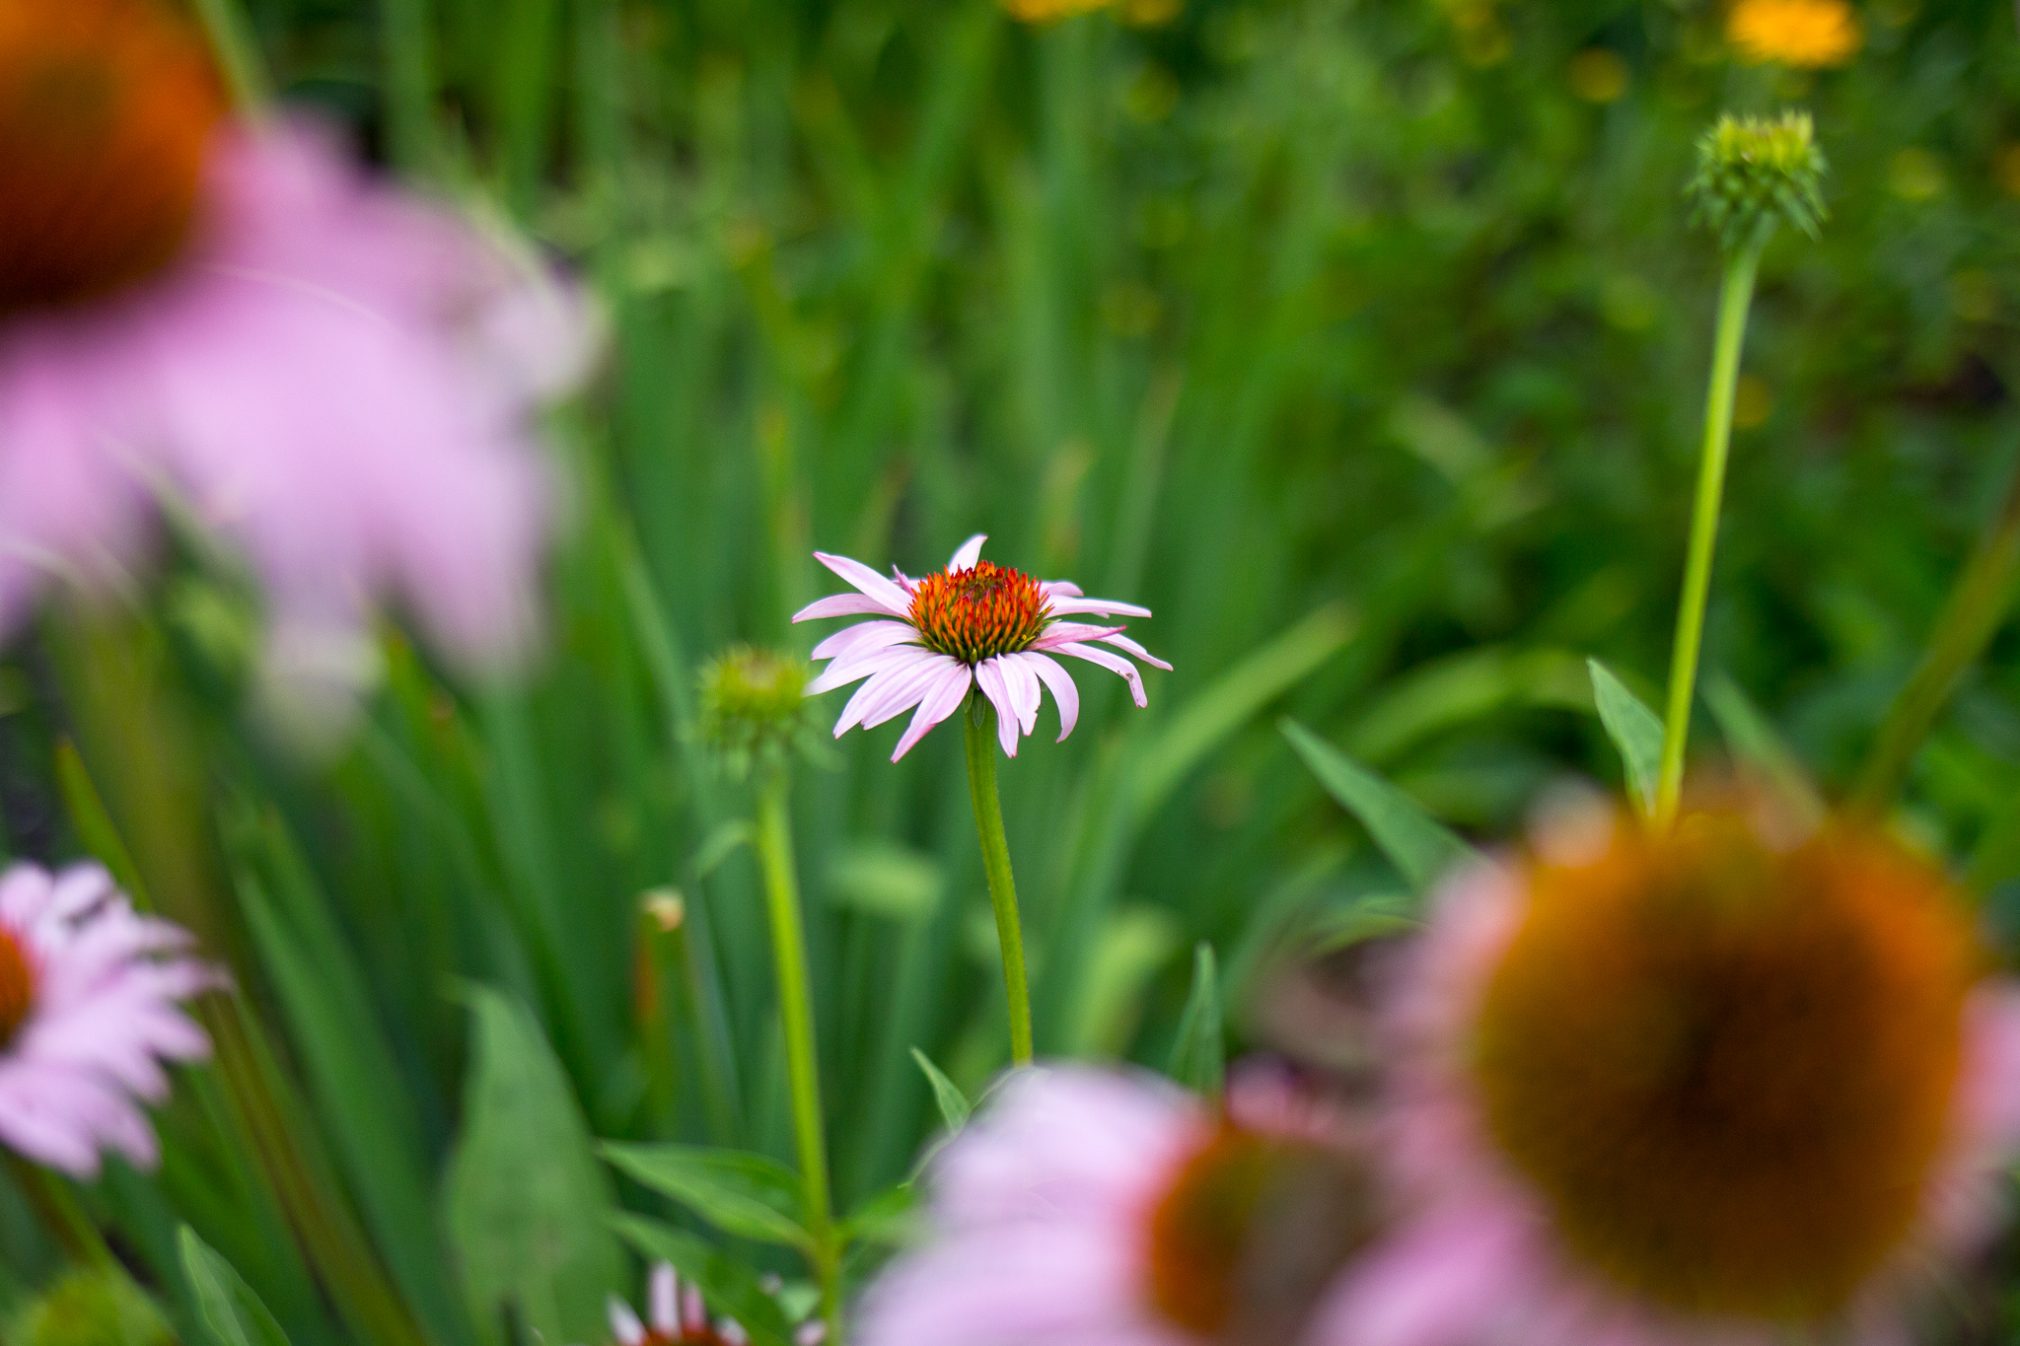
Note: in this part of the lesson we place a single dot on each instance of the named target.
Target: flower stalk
(1976, 606)
(1002, 883)
(231, 41)
(1735, 298)
(782, 893)
(60, 1212)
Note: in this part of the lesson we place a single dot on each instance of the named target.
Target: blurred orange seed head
(17, 985)
(107, 110)
(1726, 1062)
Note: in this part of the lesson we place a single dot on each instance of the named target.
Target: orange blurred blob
(1727, 1061)
(107, 110)
(17, 986)
(1808, 34)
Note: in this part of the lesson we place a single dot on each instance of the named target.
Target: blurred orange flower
(1805, 33)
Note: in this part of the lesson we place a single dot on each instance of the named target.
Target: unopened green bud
(93, 1308)
(753, 706)
(1756, 172)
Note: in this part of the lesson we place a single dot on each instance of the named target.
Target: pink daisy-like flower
(1087, 1208)
(676, 1315)
(974, 625)
(1730, 1084)
(329, 378)
(91, 999)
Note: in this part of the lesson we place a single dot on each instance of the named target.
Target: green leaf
(233, 1314)
(1634, 729)
(954, 1105)
(1199, 1057)
(528, 1205)
(745, 1195)
(887, 1218)
(730, 1288)
(1418, 845)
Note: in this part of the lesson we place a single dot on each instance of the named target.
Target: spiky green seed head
(753, 707)
(1754, 173)
(92, 1308)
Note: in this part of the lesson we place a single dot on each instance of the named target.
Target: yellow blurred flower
(1051, 11)
(1597, 75)
(1805, 33)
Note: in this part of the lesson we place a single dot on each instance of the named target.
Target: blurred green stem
(231, 40)
(1976, 607)
(57, 1207)
(996, 861)
(782, 891)
(1735, 297)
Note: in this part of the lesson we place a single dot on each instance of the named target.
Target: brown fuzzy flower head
(1726, 1060)
(1754, 173)
(107, 112)
(1806, 34)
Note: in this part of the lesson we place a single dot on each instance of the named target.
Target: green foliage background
(1356, 339)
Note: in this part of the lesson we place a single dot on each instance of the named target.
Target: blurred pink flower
(975, 624)
(90, 1009)
(1725, 1086)
(676, 1315)
(332, 380)
(1105, 1209)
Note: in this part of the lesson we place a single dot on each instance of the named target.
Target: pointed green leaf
(1199, 1057)
(1418, 845)
(730, 1288)
(745, 1195)
(1634, 729)
(528, 1205)
(231, 1312)
(888, 1218)
(954, 1105)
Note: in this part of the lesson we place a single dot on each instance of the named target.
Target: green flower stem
(224, 21)
(1002, 884)
(782, 891)
(1735, 297)
(1976, 606)
(57, 1207)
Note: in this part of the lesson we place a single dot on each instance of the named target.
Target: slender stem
(1002, 884)
(1735, 296)
(57, 1207)
(1976, 606)
(231, 40)
(782, 891)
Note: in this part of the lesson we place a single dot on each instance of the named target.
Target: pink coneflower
(332, 380)
(90, 1009)
(676, 1315)
(973, 625)
(1105, 1209)
(1734, 1083)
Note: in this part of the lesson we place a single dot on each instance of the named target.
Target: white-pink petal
(859, 576)
(864, 635)
(1064, 692)
(1114, 663)
(989, 677)
(967, 554)
(1122, 642)
(1067, 606)
(841, 605)
(942, 699)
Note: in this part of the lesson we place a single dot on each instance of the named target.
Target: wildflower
(90, 1010)
(1808, 34)
(1726, 1084)
(1094, 1207)
(1754, 173)
(676, 1317)
(974, 625)
(329, 378)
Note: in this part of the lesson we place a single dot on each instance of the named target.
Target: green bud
(1756, 172)
(753, 706)
(92, 1308)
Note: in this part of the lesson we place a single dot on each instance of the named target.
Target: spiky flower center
(18, 982)
(1805, 33)
(107, 110)
(1249, 1232)
(979, 613)
(1726, 1065)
